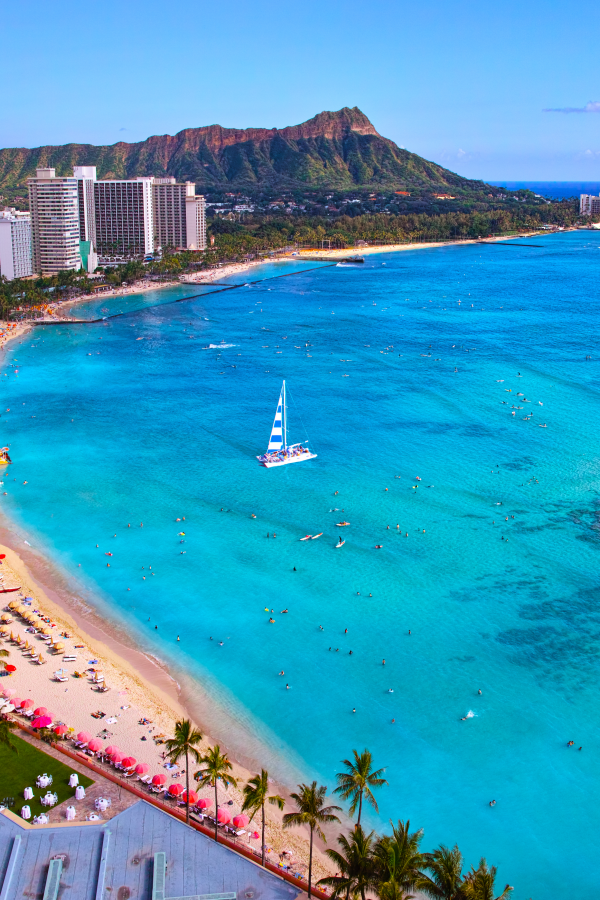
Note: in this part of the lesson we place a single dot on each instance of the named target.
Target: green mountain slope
(338, 150)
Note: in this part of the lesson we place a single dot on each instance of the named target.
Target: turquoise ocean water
(131, 421)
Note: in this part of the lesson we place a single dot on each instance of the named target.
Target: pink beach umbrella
(111, 749)
(117, 757)
(241, 821)
(26, 704)
(84, 736)
(95, 744)
(192, 797)
(16, 703)
(41, 722)
(129, 762)
(176, 790)
(203, 804)
(60, 730)
(223, 817)
(40, 711)
(142, 769)
(9, 692)
(159, 780)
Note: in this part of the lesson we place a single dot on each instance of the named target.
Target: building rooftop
(126, 858)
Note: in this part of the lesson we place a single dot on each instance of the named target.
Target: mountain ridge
(334, 150)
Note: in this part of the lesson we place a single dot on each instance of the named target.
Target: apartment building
(589, 205)
(54, 210)
(179, 215)
(15, 244)
(124, 219)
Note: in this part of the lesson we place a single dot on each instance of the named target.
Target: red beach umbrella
(203, 804)
(176, 789)
(41, 722)
(159, 780)
(16, 703)
(192, 797)
(241, 821)
(60, 730)
(117, 757)
(40, 711)
(142, 768)
(26, 704)
(83, 736)
(111, 749)
(129, 762)
(223, 817)
(95, 744)
(10, 669)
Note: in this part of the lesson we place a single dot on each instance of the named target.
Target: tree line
(389, 867)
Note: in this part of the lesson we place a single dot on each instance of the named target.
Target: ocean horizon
(554, 190)
(448, 395)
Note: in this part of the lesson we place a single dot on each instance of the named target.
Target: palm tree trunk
(187, 787)
(359, 810)
(310, 862)
(263, 833)
(216, 812)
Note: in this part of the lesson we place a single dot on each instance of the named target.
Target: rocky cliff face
(340, 150)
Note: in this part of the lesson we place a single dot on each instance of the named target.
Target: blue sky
(459, 82)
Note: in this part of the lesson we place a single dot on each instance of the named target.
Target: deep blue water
(556, 190)
(135, 422)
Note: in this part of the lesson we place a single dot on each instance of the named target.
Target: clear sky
(460, 82)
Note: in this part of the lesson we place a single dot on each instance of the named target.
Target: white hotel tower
(54, 208)
(15, 244)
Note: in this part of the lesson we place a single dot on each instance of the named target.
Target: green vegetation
(21, 769)
(256, 795)
(358, 781)
(215, 767)
(185, 743)
(311, 811)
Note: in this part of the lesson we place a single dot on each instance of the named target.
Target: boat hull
(284, 462)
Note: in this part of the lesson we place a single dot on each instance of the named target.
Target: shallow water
(135, 422)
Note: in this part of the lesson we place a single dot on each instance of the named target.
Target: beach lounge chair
(69, 659)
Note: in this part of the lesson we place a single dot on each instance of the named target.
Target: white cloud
(593, 106)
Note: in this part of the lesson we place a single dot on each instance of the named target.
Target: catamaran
(278, 452)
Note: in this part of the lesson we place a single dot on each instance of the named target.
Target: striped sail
(276, 441)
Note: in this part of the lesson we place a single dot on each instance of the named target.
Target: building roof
(116, 859)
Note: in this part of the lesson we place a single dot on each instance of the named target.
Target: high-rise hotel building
(124, 218)
(54, 209)
(15, 244)
(179, 215)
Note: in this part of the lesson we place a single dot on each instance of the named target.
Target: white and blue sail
(277, 441)
(279, 453)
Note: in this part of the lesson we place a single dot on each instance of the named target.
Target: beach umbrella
(5, 618)
(159, 780)
(16, 702)
(142, 769)
(9, 692)
(4, 631)
(26, 704)
(59, 648)
(83, 736)
(95, 744)
(117, 757)
(129, 762)
(192, 797)
(111, 749)
(41, 722)
(60, 730)
(203, 803)
(13, 604)
(21, 609)
(223, 817)
(46, 630)
(176, 789)
(41, 711)
(10, 669)
(241, 821)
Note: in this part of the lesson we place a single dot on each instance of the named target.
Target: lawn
(18, 771)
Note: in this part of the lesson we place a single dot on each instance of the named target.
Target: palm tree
(479, 883)
(184, 743)
(6, 726)
(355, 862)
(358, 780)
(446, 880)
(399, 862)
(311, 812)
(216, 768)
(256, 794)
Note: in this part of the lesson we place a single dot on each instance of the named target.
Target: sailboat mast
(284, 421)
